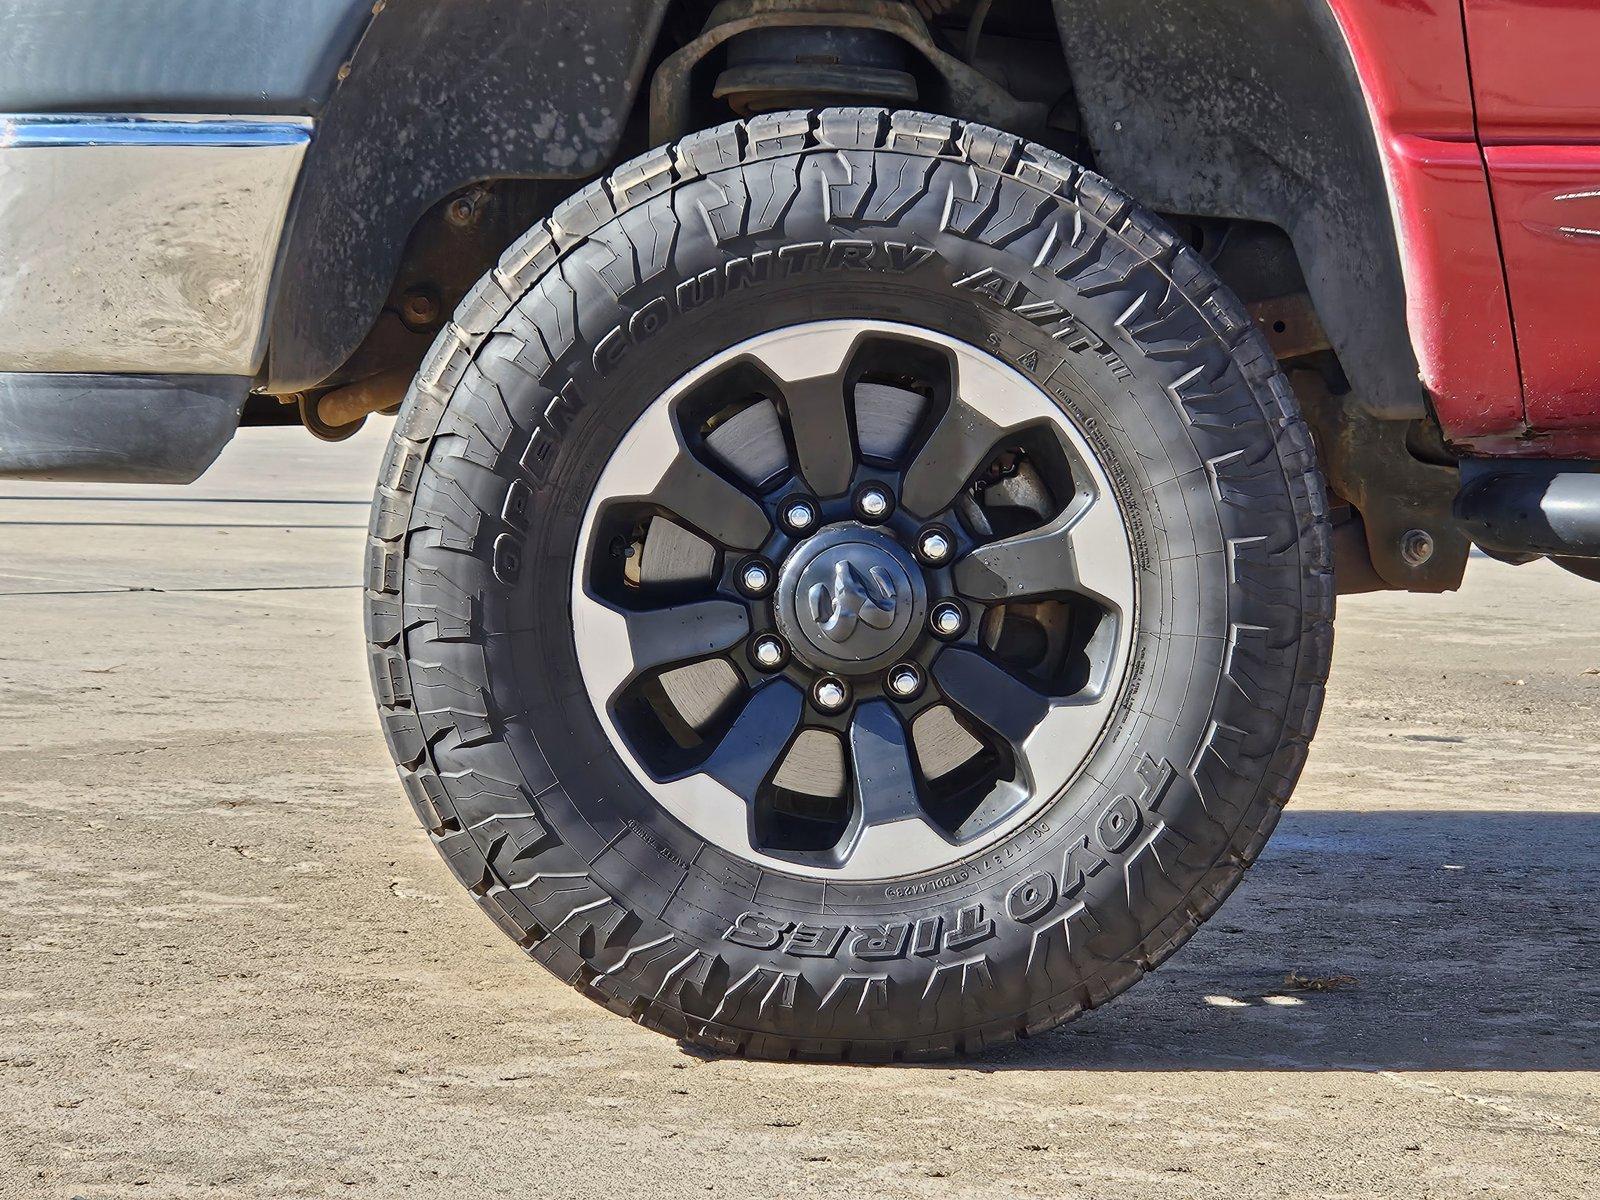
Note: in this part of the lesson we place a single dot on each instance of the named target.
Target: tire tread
(437, 720)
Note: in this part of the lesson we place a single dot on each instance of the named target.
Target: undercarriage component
(1353, 571)
(1414, 541)
(334, 416)
(768, 53)
(773, 69)
(378, 393)
(1519, 508)
(1290, 325)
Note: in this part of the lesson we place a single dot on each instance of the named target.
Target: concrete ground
(230, 963)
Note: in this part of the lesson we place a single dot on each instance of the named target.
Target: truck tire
(851, 584)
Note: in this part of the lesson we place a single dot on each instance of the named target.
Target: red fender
(1411, 58)
(1496, 200)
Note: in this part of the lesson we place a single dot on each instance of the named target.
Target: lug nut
(768, 651)
(873, 503)
(905, 681)
(934, 546)
(756, 578)
(799, 515)
(947, 619)
(830, 694)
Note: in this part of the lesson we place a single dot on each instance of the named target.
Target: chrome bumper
(141, 244)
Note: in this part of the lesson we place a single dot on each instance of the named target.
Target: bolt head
(905, 680)
(873, 502)
(830, 694)
(767, 651)
(1416, 547)
(947, 619)
(420, 308)
(463, 210)
(756, 578)
(799, 515)
(935, 546)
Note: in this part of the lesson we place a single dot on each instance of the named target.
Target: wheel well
(706, 63)
(996, 61)
(1245, 127)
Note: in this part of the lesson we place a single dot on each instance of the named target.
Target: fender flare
(437, 95)
(1253, 110)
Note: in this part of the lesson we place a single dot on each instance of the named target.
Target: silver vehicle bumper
(141, 244)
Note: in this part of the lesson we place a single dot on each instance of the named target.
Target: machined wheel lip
(902, 848)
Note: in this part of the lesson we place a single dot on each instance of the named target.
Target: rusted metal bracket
(1413, 539)
(1290, 324)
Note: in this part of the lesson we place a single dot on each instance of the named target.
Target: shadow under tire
(486, 514)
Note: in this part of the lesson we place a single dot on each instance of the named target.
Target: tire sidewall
(1047, 920)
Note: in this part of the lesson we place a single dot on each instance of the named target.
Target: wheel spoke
(624, 645)
(990, 695)
(663, 637)
(821, 431)
(885, 781)
(889, 829)
(809, 367)
(707, 502)
(1084, 553)
(654, 464)
(957, 446)
(750, 751)
(1048, 737)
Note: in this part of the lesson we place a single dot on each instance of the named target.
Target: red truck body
(1488, 119)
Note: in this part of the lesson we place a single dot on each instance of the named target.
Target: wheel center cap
(861, 592)
(850, 598)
